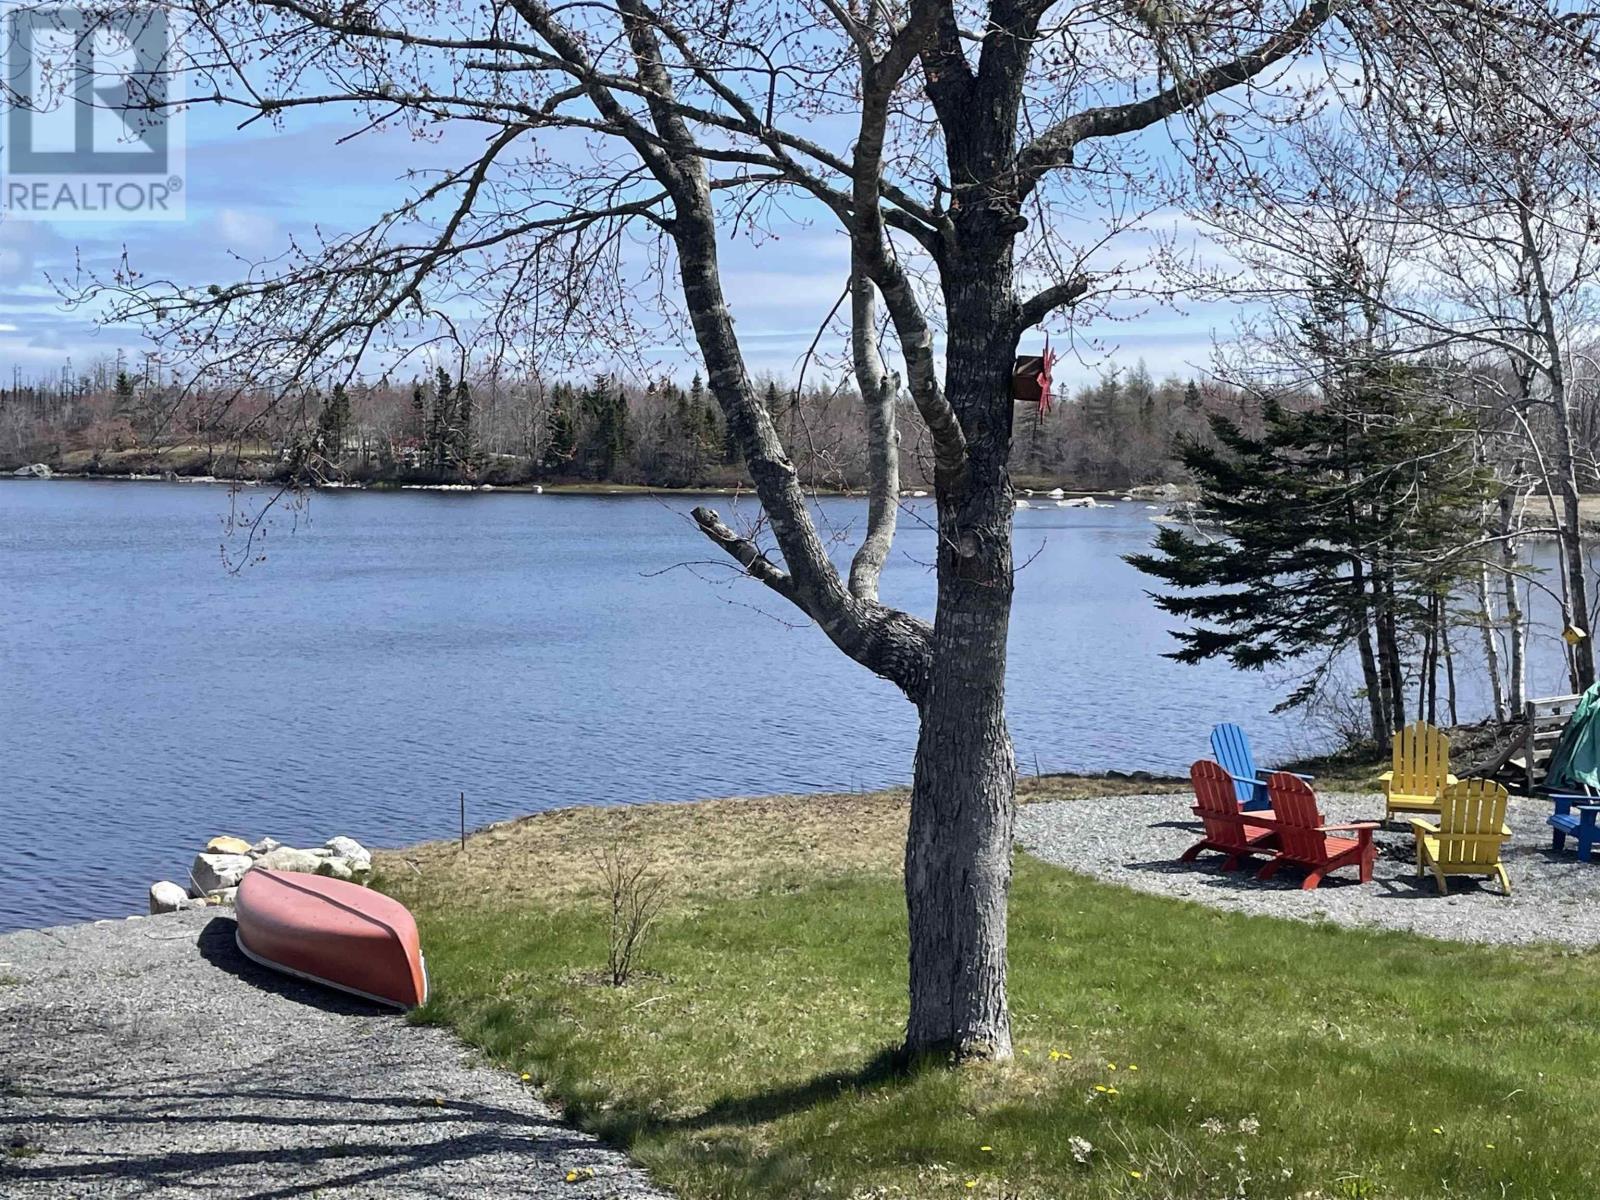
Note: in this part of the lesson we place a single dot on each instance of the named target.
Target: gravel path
(149, 1058)
(1136, 841)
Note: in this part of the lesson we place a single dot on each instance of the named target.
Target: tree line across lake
(1121, 431)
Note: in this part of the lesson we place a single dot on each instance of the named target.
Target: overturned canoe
(331, 932)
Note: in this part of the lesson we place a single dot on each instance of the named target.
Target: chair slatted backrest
(1421, 760)
(1231, 746)
(1216, 803)
(1470, 819)
(1294, 806)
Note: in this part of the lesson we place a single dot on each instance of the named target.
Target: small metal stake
(463, 821)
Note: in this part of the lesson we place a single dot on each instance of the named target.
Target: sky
(249, 191)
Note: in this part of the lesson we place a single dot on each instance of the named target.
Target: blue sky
(249, 191)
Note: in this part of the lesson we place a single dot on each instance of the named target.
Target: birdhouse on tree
(1030, 378)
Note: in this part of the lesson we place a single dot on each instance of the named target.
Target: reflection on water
(532, 651)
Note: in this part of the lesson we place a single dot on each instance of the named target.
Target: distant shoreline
(1039, 487)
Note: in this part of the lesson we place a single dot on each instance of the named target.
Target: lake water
(394, 650)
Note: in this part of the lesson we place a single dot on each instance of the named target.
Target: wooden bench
(1543, 721)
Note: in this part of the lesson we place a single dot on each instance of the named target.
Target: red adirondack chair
(1304, 841)
(1228, 831)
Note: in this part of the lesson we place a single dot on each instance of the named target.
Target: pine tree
(1344, 520)
(441, 430)
(333, 424)
(124, 394)
(419, 415)
(561, 440)
(462, 443)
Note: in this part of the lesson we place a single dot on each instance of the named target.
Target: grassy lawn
(1165, 1049)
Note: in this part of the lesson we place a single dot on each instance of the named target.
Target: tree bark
(1576, 591)
(958, 852)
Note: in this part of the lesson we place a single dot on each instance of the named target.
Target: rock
(33, 471)
(344, 847)
(167, 896)
(227, 845)
(347, 869)
(265, 846)
(1023, 504)
(287, 858)
(1055, 493)
(213, 872)
(225, 896)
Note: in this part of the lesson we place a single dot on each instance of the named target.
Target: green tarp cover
(1575, 764)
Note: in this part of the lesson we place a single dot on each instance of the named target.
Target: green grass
(1253, 1057)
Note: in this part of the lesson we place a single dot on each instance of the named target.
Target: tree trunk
(1377, 710)
(958, 851)
(1569, 524)
(1516, 630)
(1491, 646)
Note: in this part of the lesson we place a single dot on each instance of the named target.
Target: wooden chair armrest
(1418, 828)
(1247, 779)
(1386, 777)
(1350, 825)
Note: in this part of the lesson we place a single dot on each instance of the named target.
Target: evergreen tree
(333, 424)
(125, 395)
(1191, 396)
(1343, 522)
(419, 415)
(462, 442)
(441, 429)
(561, 440)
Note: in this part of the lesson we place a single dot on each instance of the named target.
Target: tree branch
(1053, 148)
(1041, 304)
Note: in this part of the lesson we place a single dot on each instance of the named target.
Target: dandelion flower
(1136, 1174)
(1488, 1145)
(986, 1149)
(1133, 1066)
(526, 1077)
(1438, 1130)
(972, 1183)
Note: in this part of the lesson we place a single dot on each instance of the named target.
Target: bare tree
(959, 145)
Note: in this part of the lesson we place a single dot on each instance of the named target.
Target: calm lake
(394, 650)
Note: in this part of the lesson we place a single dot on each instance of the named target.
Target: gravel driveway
(149, 1058)
(1136, 841)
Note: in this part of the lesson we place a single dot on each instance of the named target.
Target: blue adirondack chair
(1574, 817)
(1231, 748)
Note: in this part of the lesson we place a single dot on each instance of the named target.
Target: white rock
(213, 872)
(1056, 493)
(167, 896)
(33, 471)
(345, 868)
(349, 848)
(287, 858)
(537, 490)
(265, 846)
(226, 844)
(1023, 504)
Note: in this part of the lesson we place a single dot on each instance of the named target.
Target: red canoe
(329, 931)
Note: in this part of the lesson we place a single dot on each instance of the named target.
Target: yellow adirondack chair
(1421, 771)
(1468, 837)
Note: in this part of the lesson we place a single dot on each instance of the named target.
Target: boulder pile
(216, 871)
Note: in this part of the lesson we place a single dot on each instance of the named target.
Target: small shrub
(636, 893)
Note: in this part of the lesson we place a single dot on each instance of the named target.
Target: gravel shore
(149, 1058)
(1136, 841)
